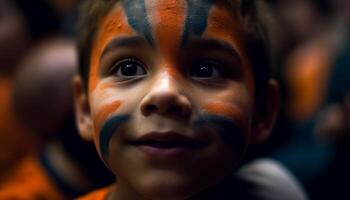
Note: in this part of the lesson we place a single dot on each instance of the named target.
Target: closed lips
(167, 140)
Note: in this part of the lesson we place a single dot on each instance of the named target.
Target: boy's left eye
(205, 70)
(129, 68)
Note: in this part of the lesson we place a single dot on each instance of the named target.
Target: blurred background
(39, 145)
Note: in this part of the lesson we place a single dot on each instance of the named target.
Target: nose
(165, 98)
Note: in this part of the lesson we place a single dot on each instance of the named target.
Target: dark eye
(206, 70)
(129, 68)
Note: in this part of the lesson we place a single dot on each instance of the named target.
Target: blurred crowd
(39, 144)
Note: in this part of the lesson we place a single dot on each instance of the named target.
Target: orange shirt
(99, 194)
(29, 181)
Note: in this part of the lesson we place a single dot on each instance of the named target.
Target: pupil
(204, 71)
(129, 69)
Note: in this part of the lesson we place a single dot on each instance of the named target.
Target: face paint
(167, 35)
(173, 35)
(110, 128)
(221, 23)
(226, 128)
(225, 110)
(114, 24)
(137, 18)
(225, 120)
(105, 111)
(196, 20)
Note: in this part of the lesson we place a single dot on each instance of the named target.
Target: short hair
(252, 14)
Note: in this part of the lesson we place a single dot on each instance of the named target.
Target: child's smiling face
(171, 95)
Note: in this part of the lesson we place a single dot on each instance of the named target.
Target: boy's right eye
(129, 68)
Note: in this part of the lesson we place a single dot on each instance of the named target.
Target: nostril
(151, 108)
(165, 104)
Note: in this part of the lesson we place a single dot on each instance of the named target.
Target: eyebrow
(214, 44)
(123, 42)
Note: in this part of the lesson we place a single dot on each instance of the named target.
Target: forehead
(167, 25)
(186, 17)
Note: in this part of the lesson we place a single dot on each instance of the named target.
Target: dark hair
(253, 15)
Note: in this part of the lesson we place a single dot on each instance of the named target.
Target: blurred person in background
(65, 166)
(315, 70)
(332, 122)
(309, 65)
(297, 23)
(22, 24)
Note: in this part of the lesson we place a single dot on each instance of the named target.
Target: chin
(169, 187)
(181, 188)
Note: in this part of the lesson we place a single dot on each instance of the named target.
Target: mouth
(167, 144)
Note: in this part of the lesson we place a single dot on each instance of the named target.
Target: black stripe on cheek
(108, 130)
(227, 129)
(197, 17)
(137, 18)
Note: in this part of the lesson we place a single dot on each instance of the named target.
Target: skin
(169, 93)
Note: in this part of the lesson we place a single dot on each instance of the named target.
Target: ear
(265, 114)
(82, 110)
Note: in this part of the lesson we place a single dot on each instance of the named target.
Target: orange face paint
(173, 72)
(114, 25)
(224, 110)
(163, 24)
(105, 112)
(168, 35)
(219, 25)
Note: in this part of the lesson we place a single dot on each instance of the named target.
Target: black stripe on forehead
(196, 19)
(137, 17)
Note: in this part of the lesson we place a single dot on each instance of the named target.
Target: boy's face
(171, 95)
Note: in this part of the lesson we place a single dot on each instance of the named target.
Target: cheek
(222, 109)
(112, 127)
(229, 122)
(106, 111)
(102, 114)
(229, 111)
(104, 102)
(234, 102)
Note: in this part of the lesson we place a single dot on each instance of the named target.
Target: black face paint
(137, 18)
(108, 130)
(227, 129)
(197, 17)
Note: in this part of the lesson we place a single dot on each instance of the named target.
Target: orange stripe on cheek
(114, 25)
(105, 111)
(223, 110)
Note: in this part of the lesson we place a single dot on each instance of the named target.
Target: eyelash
(219, 69)
(115, 67)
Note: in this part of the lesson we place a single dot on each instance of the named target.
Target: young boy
(172, 93)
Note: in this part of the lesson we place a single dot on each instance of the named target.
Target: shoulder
(99, 194)
(271, 181)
